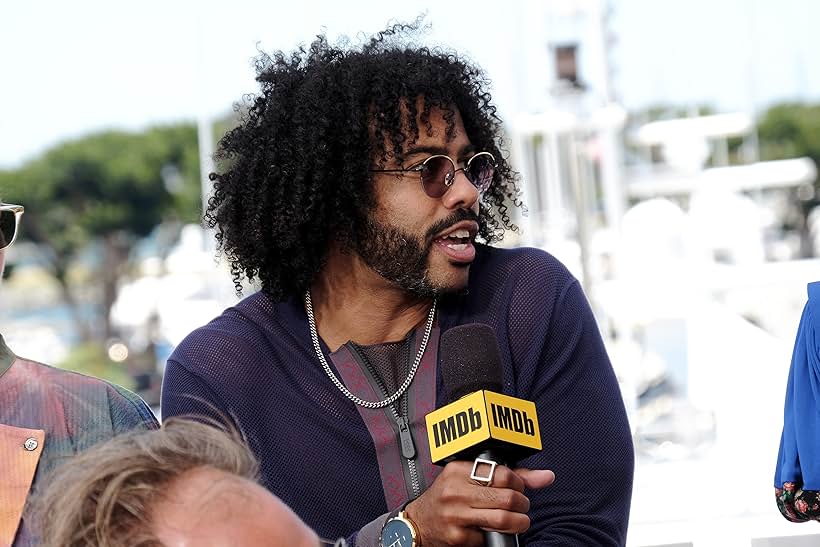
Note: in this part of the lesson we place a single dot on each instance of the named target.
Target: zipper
(408, 447)
(401, 419)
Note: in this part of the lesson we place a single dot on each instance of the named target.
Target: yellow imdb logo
(513, 420)
(479, 417)
(457, 426)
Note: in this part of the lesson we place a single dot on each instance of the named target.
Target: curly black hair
(294, 175)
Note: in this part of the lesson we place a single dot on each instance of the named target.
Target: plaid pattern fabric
(75, 412)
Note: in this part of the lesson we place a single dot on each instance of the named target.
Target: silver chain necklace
(314, 336)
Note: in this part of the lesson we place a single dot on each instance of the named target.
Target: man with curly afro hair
(362, 189)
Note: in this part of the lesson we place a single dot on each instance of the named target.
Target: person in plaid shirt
(48, 415)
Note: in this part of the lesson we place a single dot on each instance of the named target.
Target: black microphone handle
(497, 539)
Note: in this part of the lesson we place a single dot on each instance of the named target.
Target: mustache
(457, 216)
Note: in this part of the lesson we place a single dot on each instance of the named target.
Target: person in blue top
(363, 189)
(797, 474)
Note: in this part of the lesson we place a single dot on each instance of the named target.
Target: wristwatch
(399, 530)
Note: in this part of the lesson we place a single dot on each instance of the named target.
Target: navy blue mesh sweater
(340, 467)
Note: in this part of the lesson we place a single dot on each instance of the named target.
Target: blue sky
(73, 67)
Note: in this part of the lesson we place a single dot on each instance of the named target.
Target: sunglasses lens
(7, 226)
(437, 175)
(481, 171)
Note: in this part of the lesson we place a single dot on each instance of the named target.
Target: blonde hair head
(104, 496)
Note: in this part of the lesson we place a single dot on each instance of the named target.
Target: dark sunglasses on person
(9, 221)
(438, 173)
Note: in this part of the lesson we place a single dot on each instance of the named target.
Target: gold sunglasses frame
(450, 178)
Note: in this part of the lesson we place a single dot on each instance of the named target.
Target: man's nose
(462, 194)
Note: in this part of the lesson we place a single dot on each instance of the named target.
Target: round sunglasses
(9, 221)
(438, 172)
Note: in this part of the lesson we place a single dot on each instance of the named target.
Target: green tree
(790, 130)
(107, 189)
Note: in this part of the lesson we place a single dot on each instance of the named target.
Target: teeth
(462, 233)
(458, 246)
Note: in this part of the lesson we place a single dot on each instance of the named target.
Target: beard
(404, 258)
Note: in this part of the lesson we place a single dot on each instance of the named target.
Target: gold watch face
(397, 533)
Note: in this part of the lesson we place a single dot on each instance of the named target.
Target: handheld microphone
(479, 423)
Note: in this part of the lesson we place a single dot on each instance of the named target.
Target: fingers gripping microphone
(479, 423)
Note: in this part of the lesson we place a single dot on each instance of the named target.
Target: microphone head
(470, 360)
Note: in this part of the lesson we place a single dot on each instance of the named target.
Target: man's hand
(455, 509)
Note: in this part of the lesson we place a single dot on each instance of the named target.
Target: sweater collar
(6, 356)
